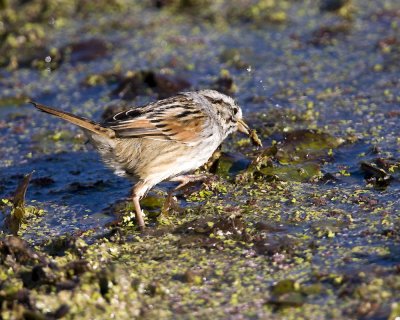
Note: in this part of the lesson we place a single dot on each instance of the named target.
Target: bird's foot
(189, 178)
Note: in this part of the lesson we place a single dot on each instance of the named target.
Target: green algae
(303, 228)
(305, 172)
(24, 26)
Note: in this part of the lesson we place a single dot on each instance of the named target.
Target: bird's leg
(138, 213)
(137, 193)
(167, 203)
(184, 180)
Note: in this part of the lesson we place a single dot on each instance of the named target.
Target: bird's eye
(235, 110)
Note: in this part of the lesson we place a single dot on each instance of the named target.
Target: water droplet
(249, 69)
(47, 59)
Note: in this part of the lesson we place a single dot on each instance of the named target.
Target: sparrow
(164, 140)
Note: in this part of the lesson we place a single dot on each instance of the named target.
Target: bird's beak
(243, 127)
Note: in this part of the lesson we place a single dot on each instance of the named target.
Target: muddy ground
(306, 227)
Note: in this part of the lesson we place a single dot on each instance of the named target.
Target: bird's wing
(176, 119)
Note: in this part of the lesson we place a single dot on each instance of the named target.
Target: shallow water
(320, 71)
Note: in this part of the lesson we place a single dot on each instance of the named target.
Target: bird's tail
(79, 121)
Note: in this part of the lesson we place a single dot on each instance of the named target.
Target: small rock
(85, 51)
(140, 82)
(332, 5)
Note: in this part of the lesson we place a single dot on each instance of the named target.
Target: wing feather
(177, 119)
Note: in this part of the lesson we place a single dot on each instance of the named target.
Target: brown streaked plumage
(163, 140)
